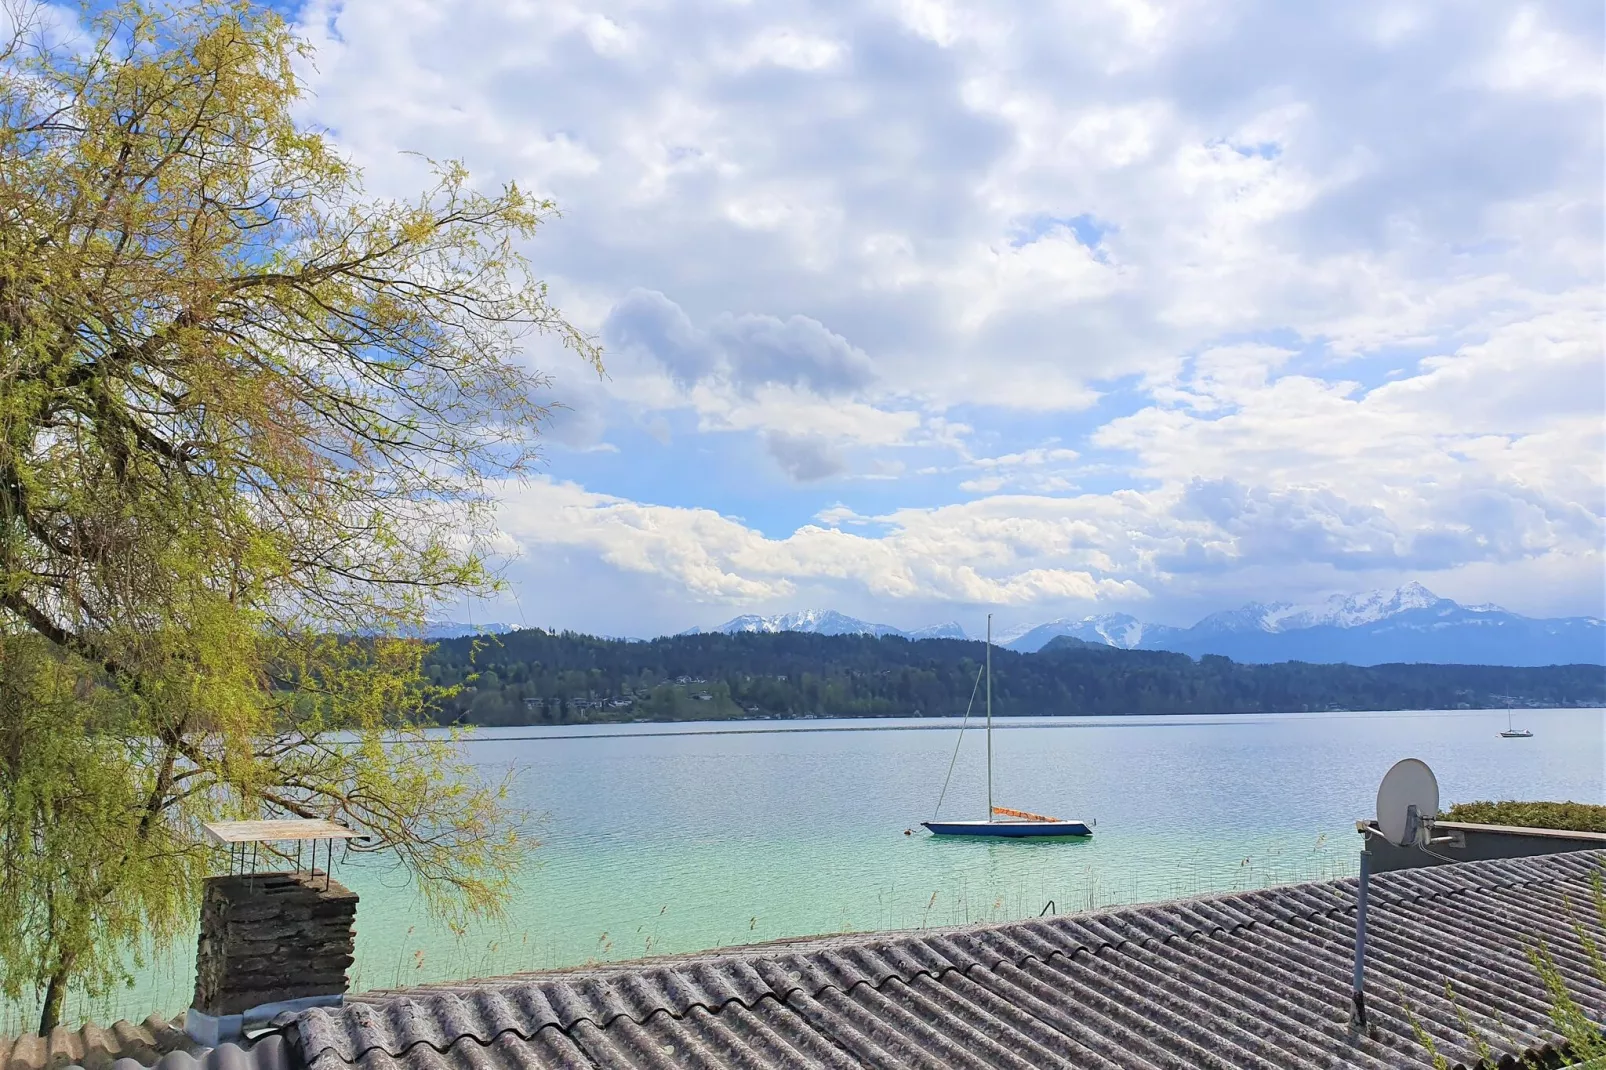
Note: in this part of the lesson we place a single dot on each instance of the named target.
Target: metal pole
(1360, 937)
(989, 717)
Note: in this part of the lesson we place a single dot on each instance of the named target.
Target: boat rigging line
(957, 742)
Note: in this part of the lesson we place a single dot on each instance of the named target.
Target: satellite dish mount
(1407, 803)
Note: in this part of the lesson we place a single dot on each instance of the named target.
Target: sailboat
(1514, 733)
(1002, 820)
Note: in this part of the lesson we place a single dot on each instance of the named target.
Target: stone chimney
(267, 940)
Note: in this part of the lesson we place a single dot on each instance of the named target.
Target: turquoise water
(667, 838)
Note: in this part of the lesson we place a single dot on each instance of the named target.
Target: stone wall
(267, 937)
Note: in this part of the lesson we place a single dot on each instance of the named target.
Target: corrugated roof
(153, 1043)
(269, 1053)
(1256, 979)
(94, 1046)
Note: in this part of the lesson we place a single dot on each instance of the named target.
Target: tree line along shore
(539, 677)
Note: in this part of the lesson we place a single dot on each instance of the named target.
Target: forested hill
(536, 677)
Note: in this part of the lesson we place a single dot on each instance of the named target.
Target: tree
(245, 410)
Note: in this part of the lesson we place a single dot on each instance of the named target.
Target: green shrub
(1574, 816)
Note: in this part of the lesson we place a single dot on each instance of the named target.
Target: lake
(668, 838)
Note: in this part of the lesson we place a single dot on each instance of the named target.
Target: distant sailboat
(1514, 733)
(1017, 823)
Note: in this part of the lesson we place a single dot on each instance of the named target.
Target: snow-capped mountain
(1109, 629)
(451, 629)
(1337, 611)
(818, 621)
(1407, 624)
(827, 622)
(1005, 636)
(950, 630)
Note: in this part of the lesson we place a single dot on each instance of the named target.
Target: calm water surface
(668, 838)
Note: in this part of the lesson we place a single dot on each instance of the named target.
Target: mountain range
(825, 622)
(1408, 624)
(452, 629)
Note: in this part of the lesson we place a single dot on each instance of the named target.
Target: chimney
(269, 943)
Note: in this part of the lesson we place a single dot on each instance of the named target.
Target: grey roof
(93, 1046)
(126, 1045)
(1256, 979)
(268, 1053)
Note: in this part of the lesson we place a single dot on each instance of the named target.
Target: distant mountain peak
(1349, 610)
(1107, 629)
(817, 621)
(950, 630)
(825, 622)
(1005, 636)
(451, 629)
(1407, 623)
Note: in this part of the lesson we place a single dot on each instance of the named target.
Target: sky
(920, 310)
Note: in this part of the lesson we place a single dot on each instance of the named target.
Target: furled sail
(1024, 815)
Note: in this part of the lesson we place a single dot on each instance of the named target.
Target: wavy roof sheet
(153, 1043)
(93, 1046)
(1257, 979)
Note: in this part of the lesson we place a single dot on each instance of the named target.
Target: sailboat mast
(989, 717)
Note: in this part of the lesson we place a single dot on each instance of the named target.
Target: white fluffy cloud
(1086, 302)
(987, 552)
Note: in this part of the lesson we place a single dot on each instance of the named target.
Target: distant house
(683, 679)
(703, 696)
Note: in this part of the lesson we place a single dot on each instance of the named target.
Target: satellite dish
(1409, 786)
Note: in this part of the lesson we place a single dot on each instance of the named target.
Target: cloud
(1039, 469)
(1257, 183)
(969, 554)
(789, 48)
(650, 323)
(1534, 57)
(1307, 297)
(1255, 467)
(1473, 458)
(804, 458)
(792, 413)
(797, 351)
(1026, 458)
(746, 351)
(839, 514)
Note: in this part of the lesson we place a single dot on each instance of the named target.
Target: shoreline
(742, 726)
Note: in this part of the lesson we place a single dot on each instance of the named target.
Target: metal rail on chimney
(238, 836)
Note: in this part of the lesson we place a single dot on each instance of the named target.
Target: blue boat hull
(1011, 829)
